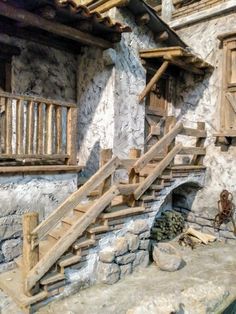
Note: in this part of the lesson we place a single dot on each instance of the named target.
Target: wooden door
(228, 106)
(156, 111)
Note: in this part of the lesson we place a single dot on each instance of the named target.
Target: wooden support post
(198, 160)
(154, 80)
(134, 154)
(72, 135)
(30, 254)
(105, 156)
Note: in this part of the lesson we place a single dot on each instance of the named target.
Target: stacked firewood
(167, 226)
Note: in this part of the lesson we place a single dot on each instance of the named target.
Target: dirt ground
(204, 285)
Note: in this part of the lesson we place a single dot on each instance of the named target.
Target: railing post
(72, 135)
(134, 154)
(105, 156)
(198, 160)
(30, 254)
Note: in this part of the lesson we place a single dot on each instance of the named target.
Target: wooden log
(30, 255)
(49, 129)
(62, 30)
(58, 131)
(72, 129)
(181, 64)
(153, 80)
(155, 149)
(40, 128)
(157, 171)
(8, 126)
(69, 238)
(29, 128)
(74, 199)
(19, 127)
(161, 37)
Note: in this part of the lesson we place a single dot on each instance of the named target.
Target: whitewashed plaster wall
(109, 113)
(199, 100)
(42, 70)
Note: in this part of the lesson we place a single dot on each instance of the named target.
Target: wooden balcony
(37, 134)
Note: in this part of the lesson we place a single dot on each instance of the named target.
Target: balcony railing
(37, 129)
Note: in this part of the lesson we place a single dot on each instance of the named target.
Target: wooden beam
(110, 4)
(181, 64)
(193, 132)
(39, 169)
(34, 20)
(161, 37)
(30, 255)
(69, 238)
(193, 151)
(73, 200)
(157, 171)
(155, 149)
(153, 81)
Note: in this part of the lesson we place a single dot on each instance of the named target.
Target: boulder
(107, 255)
(144, 244)
(125, 270)
(120, 246)
(108, 273)
(138, 226)
(133, 241)
(167, 257)
(11, 249)
(142, 259)
(126, 258)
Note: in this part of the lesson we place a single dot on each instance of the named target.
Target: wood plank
(49, 129)
(193, 151)
(74, 199)
(40, 128)
(19, 126)
(123, 212)
(71, 140)
(109, 5)
(181, 64)
(193, 132)
(153, 80)
(69, 238)
(155, 149)
(33, 156)
(58, 130)
(8, 126)
(29, 143)
(36, 99)
(157, 171)
(28, 18)
(29, 169)
(127, 189)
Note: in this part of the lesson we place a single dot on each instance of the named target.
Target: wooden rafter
(61, 30)
(154, 80)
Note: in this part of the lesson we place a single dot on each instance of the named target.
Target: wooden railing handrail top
(47, 101)
(69, 204)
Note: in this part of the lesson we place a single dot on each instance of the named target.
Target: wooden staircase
(99, 206)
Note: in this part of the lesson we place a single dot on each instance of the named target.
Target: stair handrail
(155, 149)
(73, 200)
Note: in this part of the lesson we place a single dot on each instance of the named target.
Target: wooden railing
(34, 128)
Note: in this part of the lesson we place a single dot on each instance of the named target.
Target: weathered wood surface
(42, 230)
(62, 30)
(157, 171)
(155, 149)
(153, 81)
(47, 168)
(72, 118)
(109, 5)
(68, 238)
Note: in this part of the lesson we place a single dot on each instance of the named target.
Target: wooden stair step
(70, 220)
(68, 260)
(123, 212)
(83, 207)
(99, 229)
(51, 278)
(58, 232)
(84, 244)
(94, 193)
(46, 245)
(157, 187)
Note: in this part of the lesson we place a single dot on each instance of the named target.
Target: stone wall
(110, 115)
(198, 99)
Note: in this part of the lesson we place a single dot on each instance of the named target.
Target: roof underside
(178, 57)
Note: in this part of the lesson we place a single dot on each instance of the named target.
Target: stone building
(79, 84)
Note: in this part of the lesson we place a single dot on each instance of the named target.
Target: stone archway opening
(175, 213)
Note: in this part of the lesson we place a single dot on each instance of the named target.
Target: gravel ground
(206, 284)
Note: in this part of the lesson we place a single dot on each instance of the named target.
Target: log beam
(39, 22)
